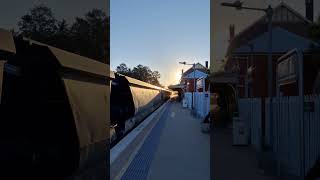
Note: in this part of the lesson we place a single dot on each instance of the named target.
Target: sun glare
(178, 77)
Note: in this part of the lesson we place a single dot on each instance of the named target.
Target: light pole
(249, 64)
(269, 12)
(194, 80)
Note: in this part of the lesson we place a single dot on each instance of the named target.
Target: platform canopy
(224, 78)
(177, 86)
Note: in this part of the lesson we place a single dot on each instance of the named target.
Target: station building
(246, 61)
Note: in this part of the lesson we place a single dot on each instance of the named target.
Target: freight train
(55, 113)
(131, 101)
(54, 110)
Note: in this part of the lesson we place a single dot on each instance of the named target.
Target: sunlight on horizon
(172, 78)
(178, 76)
(160, 34)
(173, 75)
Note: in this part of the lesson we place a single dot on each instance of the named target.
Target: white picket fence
(188, 99)
(250, 112)
(284, 134)
(312, 132)
(202, 103)
(293, 133)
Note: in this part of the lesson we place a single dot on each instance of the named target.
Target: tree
(61, 38)
(87, 36)
(62, 28)
(39, 24)
(90, 35)
(155, 78)
(123, 69)
(143, 73)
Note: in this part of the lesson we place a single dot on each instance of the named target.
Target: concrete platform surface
(175, 149)
(233, 162)
(183, 151)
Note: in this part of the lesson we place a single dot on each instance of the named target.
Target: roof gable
(284, 13)
(197, 73)
(278, 44)
(198, 66)
(284, 16)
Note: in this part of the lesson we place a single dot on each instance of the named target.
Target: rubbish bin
(240, 135)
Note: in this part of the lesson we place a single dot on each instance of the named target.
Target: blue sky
(157, 33)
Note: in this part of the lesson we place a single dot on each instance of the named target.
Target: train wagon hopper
(7, 51)
(121, 106)
(131, 102)
(54, 107)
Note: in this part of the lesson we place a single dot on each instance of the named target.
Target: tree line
(87, 36)
(143, 73)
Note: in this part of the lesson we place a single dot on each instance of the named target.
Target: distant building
(192, 75)
(245, 70)
(247, 55)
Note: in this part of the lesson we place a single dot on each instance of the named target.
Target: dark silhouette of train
(131, 101)
(54, 111)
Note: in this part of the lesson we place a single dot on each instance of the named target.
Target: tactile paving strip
(140, 165)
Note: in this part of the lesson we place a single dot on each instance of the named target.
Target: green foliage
(143, 73)
(87, 36)
(39, 23)
(123, 69)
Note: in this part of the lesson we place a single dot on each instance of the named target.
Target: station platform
(174, 149)
(234, 162)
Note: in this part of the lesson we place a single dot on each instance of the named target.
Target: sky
(12, 10)
(241, 19)
(159, 34)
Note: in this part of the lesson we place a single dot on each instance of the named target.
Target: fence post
(301, 102)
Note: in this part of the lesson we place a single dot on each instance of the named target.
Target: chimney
(231, 32)
(309, 10)
(207, 65)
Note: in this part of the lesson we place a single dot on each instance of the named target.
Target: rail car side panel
(144, 98)
(145, 102)
(1, 76)
(89, 106)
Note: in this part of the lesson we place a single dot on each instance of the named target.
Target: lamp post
(269, 12)
(249, 64)
(194, 80)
